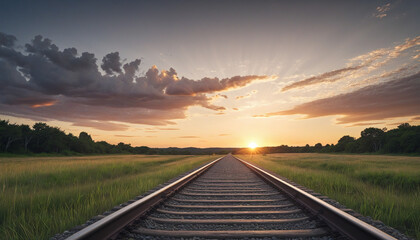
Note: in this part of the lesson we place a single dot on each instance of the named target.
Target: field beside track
(387, 188)
(42, 196)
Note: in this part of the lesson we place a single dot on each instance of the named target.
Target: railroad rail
(230, 198)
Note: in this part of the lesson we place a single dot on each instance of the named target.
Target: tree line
(41, 138)
(401, 140)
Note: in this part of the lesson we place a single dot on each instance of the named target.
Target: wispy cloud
(396, 98)
(168, 129)
(208, 85)
(325, 77)
(365, 124)
(246, 95)
(189, 137)
(224, 134)
(381, 11)
(393, 73)
(359, 66)
(106, 126)
(124, 136)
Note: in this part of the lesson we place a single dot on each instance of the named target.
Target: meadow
(42, 196)
(387, 188)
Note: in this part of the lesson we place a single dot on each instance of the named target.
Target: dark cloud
(7, 40)
(44, 83)
(189, 137)
(111, 63)
(395, 98)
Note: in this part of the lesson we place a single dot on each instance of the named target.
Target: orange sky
(203, 75)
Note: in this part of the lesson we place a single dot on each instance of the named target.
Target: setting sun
(252, 145)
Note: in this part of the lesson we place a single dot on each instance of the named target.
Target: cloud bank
(396, 98)
(43, 82)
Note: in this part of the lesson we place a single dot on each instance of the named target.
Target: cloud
(358, 66)
(188, 137)
(396, 98)
(393, 73)
(224, 134)
(111, 63)
(207, 85)
(169, 129)
(381, 11)
(366, 124)
(106, 126)
(124, 136)
(45, 83)
(325, 77)
(247, 95)
(219, 96)
(7, 40)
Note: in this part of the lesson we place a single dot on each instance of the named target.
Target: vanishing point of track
(229, 198)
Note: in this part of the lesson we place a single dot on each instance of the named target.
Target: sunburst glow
(252, 145)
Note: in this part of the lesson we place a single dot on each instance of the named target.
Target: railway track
(229, 198)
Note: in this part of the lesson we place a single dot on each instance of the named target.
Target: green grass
(387, 188)
(42, 196)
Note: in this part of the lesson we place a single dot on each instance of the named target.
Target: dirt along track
(229, 201)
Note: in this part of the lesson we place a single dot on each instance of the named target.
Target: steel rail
(334, 217)
(110, 225)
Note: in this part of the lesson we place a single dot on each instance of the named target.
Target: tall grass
(44, 196)
(387, 188)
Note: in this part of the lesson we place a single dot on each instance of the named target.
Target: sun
(252, 145)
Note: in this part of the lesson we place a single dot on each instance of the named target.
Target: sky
(211, 73)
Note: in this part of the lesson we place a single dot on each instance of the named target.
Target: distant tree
(86, 144)
(40, 134)
(343, 142)
(372, 139)
(10, 133)
(404, 126)
(318, 147)
(410, 141)
(352, 147)
(85, 137)
(27, 135)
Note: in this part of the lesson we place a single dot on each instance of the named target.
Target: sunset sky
(211, 73)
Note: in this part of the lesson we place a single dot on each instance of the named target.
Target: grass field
(44, 196)
(387, 188)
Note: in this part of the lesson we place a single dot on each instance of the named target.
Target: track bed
(229, 201)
